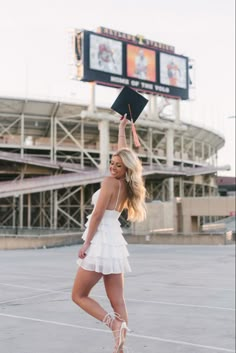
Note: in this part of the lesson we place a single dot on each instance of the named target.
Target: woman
(104, 252)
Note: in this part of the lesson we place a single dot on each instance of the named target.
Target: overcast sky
(36, 55)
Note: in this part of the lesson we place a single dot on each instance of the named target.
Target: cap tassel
(135, 135)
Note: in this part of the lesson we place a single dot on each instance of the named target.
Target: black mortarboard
(129, 102)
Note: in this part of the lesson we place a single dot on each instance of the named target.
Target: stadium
(54, 154)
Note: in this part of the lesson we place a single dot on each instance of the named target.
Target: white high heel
(120, 337)
(121, 331)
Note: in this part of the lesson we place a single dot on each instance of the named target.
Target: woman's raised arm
(121, 135)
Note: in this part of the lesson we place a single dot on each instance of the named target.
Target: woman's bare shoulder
(110, 181)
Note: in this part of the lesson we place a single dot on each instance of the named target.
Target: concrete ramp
(54, 182)
(40, 162)
(147, 170)
(40, 184)
(79, 175)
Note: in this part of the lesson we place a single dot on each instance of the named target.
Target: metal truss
(73, 138)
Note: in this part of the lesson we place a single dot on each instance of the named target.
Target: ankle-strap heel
(119, 334)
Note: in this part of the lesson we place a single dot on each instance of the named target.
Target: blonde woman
(104, 252)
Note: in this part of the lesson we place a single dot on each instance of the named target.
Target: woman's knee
(76, 297)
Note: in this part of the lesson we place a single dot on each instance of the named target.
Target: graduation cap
(131, 103)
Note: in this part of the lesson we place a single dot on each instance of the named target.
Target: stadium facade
(53, 156)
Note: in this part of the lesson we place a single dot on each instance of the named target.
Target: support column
(21, 211)
(51, 209)
(170, 159)
(104, 144)
(16, 213)
(91, 107)
(193, 152)
(29, 211)
(194, 188)
(209, 153)
(82, 144)
(42, 203)
(150, 145)
(82, 215)
(203, 151)
(22, 135)
(176, 109)
(181, 187)
(179, 215)
(55, 210)
(21, 202)
(152, 113)
(52, 139)
(215, 157)
(182, 150)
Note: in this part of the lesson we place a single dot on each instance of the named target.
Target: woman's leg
(114, 285)
(84, 282)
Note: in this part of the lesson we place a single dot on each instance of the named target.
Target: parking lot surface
(180, 299)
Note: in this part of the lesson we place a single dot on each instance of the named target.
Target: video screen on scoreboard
(105, 54)
(173, 70)
(141, 63)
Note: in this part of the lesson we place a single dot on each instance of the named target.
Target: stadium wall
(48, 138)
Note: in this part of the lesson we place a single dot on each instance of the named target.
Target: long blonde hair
(136, 189)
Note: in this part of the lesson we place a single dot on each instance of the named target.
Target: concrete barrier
(179, 239)
(10, 242)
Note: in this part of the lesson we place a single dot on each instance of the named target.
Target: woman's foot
(119, 329)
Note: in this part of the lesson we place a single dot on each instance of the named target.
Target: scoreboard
(118, 59)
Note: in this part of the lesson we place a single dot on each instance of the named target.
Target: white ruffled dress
(108, 250)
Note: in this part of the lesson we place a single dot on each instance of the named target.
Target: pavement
(180, 299)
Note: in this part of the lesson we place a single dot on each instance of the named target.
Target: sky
(37, 59)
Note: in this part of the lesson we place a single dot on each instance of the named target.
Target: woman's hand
(123, 122)
(82, 252)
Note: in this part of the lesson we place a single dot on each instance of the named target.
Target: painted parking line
(183, 304)
(25, 298)
(173, 303)
(188, 286)
(153, 338)
(48, 291)
(31, 288)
